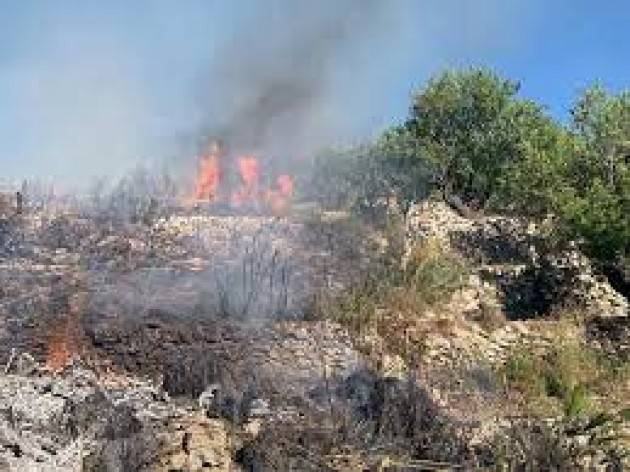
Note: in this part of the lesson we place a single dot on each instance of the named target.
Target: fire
(64, 341)
(285, 185)
(278, 198)
(209, 175)
(249, 172)
(249, 192)
(60, 349)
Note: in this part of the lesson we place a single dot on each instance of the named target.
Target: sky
(89, 89)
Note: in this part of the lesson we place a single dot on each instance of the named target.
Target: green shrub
(521, 372)
(466, 128)
(568, 375)
(576, 402)
(433, 271)
(392, 296)
(470, 137)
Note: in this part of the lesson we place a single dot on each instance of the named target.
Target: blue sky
(88, 88)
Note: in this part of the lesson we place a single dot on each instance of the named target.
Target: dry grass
(384, 310)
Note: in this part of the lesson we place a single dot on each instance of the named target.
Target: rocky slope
(186, 345)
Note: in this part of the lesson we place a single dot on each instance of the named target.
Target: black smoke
(271, 88)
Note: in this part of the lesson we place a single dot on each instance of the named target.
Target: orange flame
(248, 193)
(64, 341)
(278, 198)
(249, 171)
(208, 178)
(285, 185)
(60, 351)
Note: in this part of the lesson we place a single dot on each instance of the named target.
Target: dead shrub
(490, 317)
(189, 371)
(564, 445)
(365, 412)
(136, 453)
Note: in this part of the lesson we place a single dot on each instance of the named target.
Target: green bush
(469, 127)
(576, 402)
(581, 175)
(568, 375)
(472, 139)
(434, 272)
(392, 296)
(595, 204)
(521, 372)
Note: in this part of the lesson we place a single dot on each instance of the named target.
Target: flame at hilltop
(279, 197)
(249, 172)
(212, 184)
(209, 174)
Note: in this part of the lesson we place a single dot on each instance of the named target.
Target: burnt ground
(203, 274)
(213, 317)
(185, 304)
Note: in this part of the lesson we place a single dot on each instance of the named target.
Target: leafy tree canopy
(471, 138)
(470, 127)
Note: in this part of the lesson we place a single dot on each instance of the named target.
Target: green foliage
(368, 180)
(491, 148)
(581, 175)
(521, 373)
(576, 402)
(530, 185)
(598, 216)
(464, 132)
(470, 137)
(471, 127)
(391, 297)
(602, 120)
(594, 202)
(434, 271)
(569, 375)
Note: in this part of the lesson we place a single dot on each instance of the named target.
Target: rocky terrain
(523, 289)
(203, 342)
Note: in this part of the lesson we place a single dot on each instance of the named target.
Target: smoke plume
(89, 88)
(271, 88)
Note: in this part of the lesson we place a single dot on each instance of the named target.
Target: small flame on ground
(64, 341)
(60, 351)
